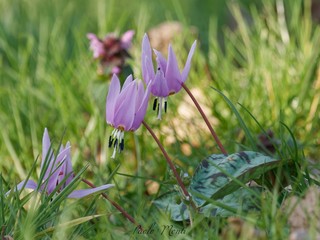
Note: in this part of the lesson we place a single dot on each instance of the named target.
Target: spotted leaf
(219, 175)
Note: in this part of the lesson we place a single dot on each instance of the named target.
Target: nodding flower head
(125, 109)
(167, 79)
(112, 51)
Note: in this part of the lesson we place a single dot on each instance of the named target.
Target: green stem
(213, 133)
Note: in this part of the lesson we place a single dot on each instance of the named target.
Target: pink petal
(47, 155)
(140, 114)
(113, 93)
(30, 184)
(115, 70)
(146, 60)
(92, 36)
(162, 62)
(46, 144)
(126, 39)
(140, 94)
(159, 86)
(51, 181)
(128, 80)
(173, 75)
(66, 167)
(125, 107)
(85, 192)
(186, 69)
(96, 45)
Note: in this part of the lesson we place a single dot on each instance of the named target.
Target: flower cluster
(126, 107)
(112, 51)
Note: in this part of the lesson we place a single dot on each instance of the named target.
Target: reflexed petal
(50, 183)
(159, 86)
(147, 69)
(126, 39)
(173, 75)
(66, 167)
(162, 62)
(46, 145)
(140, 95)
(114, 90)
(125, 107)
(146, 48)
(186, 69)
(146, 60)
(128, 80)
(139, 116)
(86, 192)
(30, 184)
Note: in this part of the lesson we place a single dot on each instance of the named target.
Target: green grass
(48, 79)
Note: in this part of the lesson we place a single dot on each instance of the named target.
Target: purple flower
(167, 79)
(125, 109)
(56, 170)
(112, 51)
(126, 39)
(96, 45)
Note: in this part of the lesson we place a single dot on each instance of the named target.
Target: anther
(158, 109)
(165, 106)
(121, 145)
(155, 104)
(110, 141)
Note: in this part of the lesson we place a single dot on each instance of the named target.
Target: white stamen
(114, 152)
(113, 131)
(160, 107)
(121, 135)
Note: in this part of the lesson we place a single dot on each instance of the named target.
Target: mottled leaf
(243, 200)
(172, 204)
(219, 175)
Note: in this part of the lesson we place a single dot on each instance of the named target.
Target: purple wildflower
(57, 170)
(112, 51)
(125, 108)
(167, 79)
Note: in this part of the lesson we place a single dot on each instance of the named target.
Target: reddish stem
(173, 168)
(117, 206)
(213, 133)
